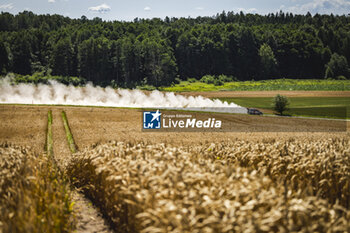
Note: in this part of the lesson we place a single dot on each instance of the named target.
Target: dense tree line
(156, 51)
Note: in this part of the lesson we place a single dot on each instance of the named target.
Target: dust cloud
(55, 93)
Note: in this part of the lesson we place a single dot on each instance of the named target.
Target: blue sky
(128, 10)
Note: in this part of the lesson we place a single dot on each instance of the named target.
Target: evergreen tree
(4, 58)
(21, 52)
(62, 57)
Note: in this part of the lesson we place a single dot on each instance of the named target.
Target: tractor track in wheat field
(88, 217)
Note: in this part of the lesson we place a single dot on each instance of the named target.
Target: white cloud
(147, 8)
(6, 6)
(51, 1)
(103, 8)
(199, 8)
(322, 7)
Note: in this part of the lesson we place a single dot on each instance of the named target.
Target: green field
(265, 85)
(333, 107)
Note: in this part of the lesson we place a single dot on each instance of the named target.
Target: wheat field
(34, 195)
(169, 182)
(268, 186)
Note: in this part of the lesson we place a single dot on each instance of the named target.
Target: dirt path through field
(60, 145)
(89, 219)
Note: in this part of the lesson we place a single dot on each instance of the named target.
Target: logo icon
(151, 120)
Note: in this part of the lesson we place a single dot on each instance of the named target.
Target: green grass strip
(49, 140)
(264, 85)
(69, 135)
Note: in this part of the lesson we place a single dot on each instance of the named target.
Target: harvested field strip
(69, 135)
(213, 188)
(49, 141)
(34, 195)
(23, 126)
